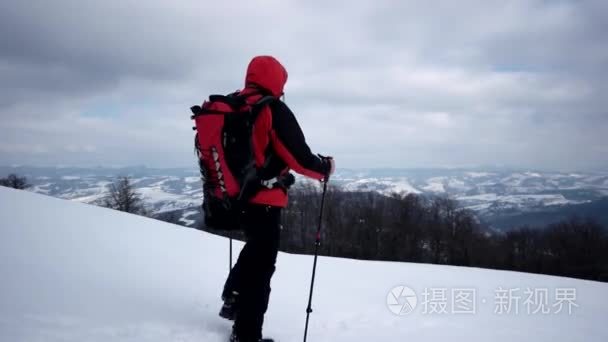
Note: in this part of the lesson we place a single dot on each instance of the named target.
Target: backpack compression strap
(234, 101)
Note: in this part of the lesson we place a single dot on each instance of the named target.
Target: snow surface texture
(73, 272)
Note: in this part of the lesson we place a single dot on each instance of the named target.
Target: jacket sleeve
(290, 145)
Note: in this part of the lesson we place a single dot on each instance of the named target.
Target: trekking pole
(230, 262)
(314, 265)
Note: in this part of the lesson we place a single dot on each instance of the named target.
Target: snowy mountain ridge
(490, 193)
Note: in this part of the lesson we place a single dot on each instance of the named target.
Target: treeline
(14, 181)
(366, 225)
(573, 248)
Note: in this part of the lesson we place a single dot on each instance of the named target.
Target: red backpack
(224, 146)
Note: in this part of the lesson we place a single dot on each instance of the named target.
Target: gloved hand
(330, 165)
(288, 180)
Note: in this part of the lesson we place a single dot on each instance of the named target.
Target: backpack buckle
(284, 182)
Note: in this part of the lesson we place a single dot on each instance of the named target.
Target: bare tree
(122, 196)
(15, 182)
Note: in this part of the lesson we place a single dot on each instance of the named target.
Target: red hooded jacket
(276, 132)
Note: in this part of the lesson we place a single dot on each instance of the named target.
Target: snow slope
(73, 272)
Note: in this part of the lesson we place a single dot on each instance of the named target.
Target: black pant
(251, 274)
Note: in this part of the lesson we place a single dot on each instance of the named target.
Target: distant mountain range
(500, 197)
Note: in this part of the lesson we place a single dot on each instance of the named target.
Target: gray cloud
(396, 83)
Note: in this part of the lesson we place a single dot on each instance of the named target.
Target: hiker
(278, 146)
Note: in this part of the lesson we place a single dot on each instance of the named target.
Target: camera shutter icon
(401, 300)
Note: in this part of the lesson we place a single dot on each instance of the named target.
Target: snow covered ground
(73, 272)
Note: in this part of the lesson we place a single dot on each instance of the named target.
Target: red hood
(267, 73)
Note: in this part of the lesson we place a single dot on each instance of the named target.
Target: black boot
(230, 307)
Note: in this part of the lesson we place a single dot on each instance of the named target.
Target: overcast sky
(373, 83)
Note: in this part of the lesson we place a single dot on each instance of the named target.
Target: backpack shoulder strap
(266, 100)
(260, 104)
